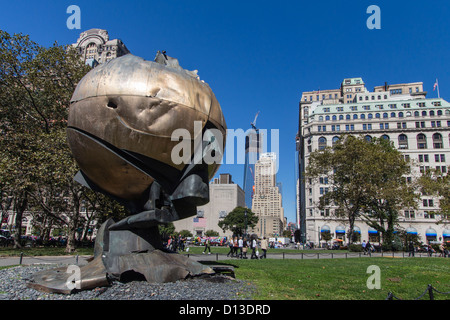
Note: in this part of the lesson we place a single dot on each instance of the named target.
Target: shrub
(355, 248)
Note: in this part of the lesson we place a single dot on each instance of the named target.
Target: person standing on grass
(264, 246)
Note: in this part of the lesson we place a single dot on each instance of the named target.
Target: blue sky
(260, 55)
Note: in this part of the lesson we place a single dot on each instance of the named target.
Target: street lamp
(245, 223)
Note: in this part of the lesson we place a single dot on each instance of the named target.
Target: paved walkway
(82, 260)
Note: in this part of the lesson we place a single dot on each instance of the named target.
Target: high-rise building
(419, 127)
(253, 150)
(267, 200)
(95, 47)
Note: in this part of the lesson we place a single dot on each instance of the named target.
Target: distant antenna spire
(253, 124)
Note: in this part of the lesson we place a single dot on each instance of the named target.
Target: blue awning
(411, 230)
(446, 233)
(340, 229)
(430, 232)
(356, 230)
(325, 228)
(373, 231)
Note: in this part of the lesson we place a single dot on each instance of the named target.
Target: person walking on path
(254, 244)
(244, 248)
(241, 246)
(207, 246)
(364, 244)
(264, 246)
(411, 249)
(230, 245)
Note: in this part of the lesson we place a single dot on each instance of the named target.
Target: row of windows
(384, 115)
(402, 141)
(382, 126)
(409, 214)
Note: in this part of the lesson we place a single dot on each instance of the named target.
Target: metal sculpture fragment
(122, 116)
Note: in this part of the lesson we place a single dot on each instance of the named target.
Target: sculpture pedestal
(119, 252)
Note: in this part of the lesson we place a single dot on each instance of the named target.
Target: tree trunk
(20, 204)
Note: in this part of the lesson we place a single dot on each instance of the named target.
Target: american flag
(200, 222)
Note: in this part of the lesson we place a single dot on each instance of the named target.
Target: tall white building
(95, 47)
(418, 126)
(267, 200)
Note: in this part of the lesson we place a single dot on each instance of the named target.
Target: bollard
(21, 257)
(430, 291)
(76, 260)
(217, 257)
(283, 255)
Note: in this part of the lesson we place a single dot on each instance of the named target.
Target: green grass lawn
(319, 279)
(344, 279)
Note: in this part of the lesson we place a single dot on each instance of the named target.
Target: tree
(365, 180)
(437, 183)
(239, 220)
(36, 85)
(211, 233)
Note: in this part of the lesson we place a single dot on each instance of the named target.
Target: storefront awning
(430, 232)
(411, 230)
(340, 229)
(373, 231)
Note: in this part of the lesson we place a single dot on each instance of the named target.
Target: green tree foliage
(436, 183)
(366, 181)
(36, 169)
(238, 220)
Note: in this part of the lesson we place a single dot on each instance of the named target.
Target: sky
(261, 55)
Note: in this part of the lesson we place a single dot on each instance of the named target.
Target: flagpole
(439, 96)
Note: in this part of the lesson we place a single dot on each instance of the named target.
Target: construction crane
(253, 124)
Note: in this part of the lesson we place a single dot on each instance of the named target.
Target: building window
(322, 143)
(437, 141)
(421, 141)
(402, 141)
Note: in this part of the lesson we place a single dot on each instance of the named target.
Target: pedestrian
(442, 249)
(240, 246)
(235, 247)
(368, 246)
(364, 244)
(230, 245)
(207, 245)
(411, 249)
(430, 250)
(254, 244)
(264, 246)
(244, 248)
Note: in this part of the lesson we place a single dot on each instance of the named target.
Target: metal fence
(317, 255)
(430, 290)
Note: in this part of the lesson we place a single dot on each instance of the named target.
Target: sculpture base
(118, 253)
(156, 266)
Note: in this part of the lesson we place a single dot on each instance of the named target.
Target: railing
(318, 255)
(430, 290)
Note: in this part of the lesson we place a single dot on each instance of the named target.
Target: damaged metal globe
(121, 119)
